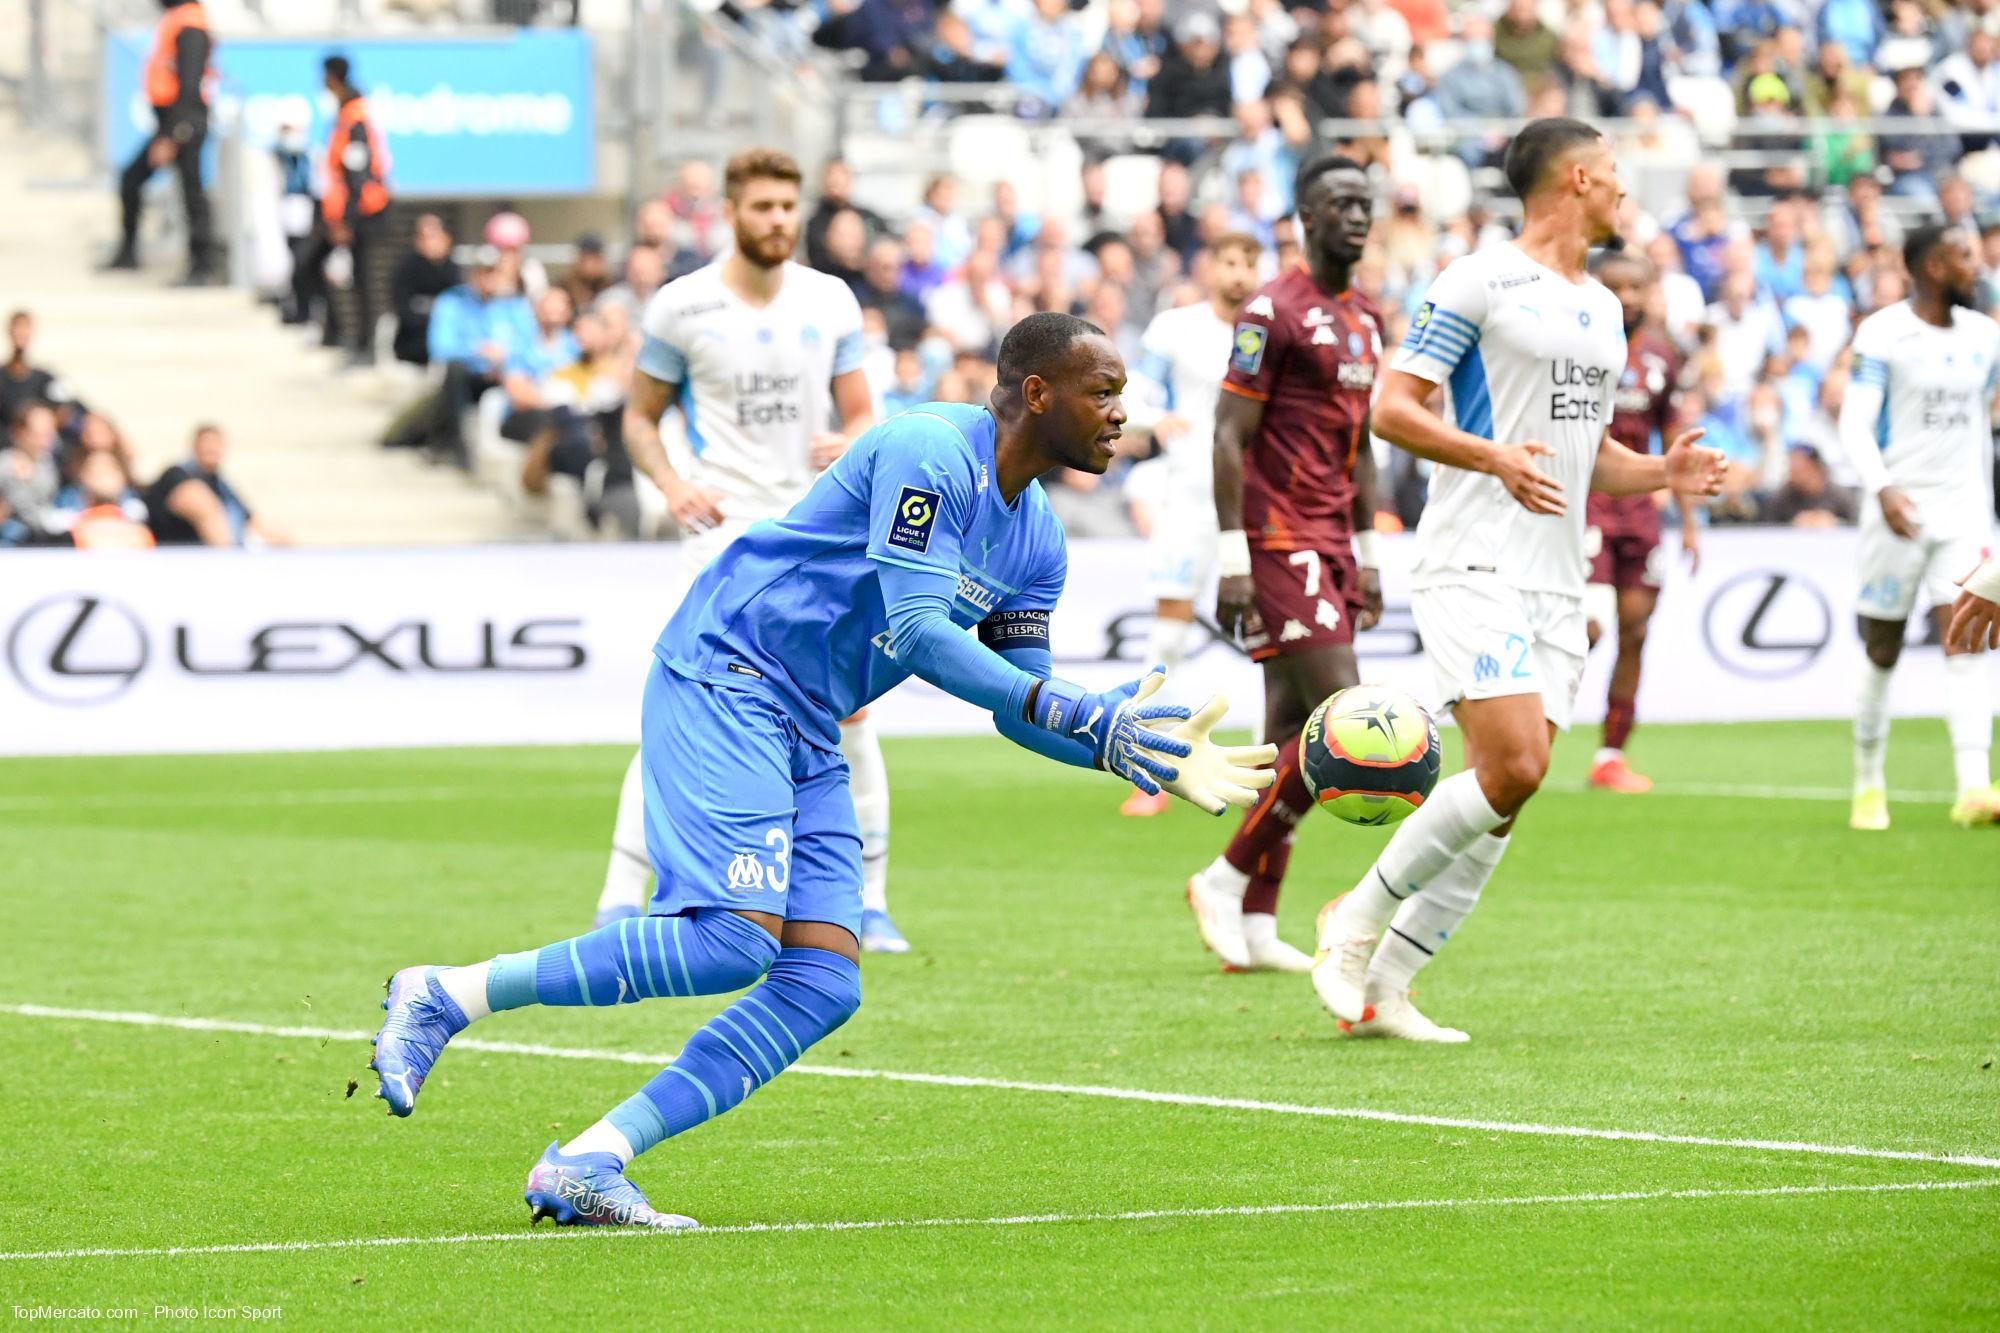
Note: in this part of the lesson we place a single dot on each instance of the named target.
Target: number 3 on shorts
(1310, 561)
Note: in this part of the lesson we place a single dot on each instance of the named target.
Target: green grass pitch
(1729, 966)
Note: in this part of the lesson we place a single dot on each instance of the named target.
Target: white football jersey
(754, 381)
(1524, 354)
(1186, 353)
(1934, 429)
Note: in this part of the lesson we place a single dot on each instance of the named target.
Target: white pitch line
(655, 1060)
(1024, 1220)
(411, 795)
(293, 797)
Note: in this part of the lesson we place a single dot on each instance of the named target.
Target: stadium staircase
(157, 361)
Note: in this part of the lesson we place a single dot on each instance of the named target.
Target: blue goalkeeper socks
(706, 952)
(806, 994)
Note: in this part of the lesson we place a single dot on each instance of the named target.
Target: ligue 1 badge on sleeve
(916, 513)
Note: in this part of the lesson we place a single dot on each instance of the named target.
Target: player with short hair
(1916, 422)
(1295, 502)
(757, 351)
(1622, 541)
(931, 524)
(1528, 348)
(1186, 351)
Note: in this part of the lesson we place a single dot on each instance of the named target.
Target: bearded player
(1529, 349)
(1295, 503)
(1916, 424)
(1623, 536)
(757, 351)
(1186, 351)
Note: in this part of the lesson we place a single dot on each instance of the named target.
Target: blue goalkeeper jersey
(793, 610)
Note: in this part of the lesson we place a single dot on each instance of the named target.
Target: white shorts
(1894, 568)
(1488, 639)
(1182, 550)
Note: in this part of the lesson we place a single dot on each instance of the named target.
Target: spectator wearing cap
(30, 475)
(1480, 87)
(589, 275)
(484, 338)
(508, 234)
(425, 272)
(192, 504)
(1915, 157)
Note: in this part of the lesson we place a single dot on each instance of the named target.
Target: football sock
(1260, 897)
(806, 994)
(1226, 878)
(1259, 928)
(1619, 714)
(705, 952)
(1167, 643)
(868, 781)
(1272, 821)
(1423, 923)
(1442, 830)
(1968, 713)
(1871, 727)
(628, 879)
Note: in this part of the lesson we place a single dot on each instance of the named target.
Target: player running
(932, 523)
(750, 346)
(1623, 536)
(1529, 350)
(1917, 425)
(1295, 501)
(1186, 351)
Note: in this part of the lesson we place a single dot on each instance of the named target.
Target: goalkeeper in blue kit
(932, 523)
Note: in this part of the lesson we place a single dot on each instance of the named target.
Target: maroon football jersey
(1643, 406)
(1310, 356)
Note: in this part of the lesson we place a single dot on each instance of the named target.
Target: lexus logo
(1766, 624)
(74, 648)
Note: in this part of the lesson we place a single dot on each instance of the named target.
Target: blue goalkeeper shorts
(742, 812)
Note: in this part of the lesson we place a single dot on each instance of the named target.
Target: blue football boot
(589, 1190)
(879, 933)
(422, 1018)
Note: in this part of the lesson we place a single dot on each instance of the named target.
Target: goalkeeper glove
(1213, 776)
(1116, 726)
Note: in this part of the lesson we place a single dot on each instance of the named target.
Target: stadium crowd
(1766, 259)
(68, 475)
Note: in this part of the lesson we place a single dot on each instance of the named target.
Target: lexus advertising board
(172, 651)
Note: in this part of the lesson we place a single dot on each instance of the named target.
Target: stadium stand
(997, 157)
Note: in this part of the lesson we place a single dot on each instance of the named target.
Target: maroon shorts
(1306, 598)
(1623, 541)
